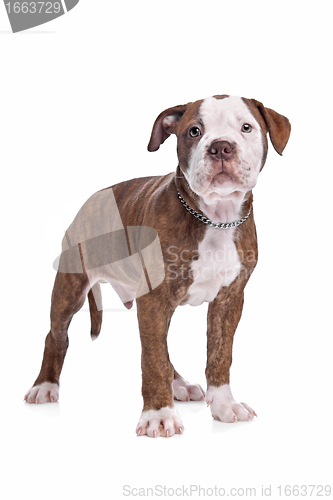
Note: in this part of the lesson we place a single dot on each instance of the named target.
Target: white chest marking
(218, 265)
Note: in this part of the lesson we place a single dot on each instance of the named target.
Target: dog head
(221, 142)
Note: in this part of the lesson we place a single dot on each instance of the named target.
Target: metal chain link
(205, 220)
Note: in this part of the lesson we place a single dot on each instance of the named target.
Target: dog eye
(246, 128)
(194, 132)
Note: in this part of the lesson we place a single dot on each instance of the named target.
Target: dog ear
(278, 127)
(165, 125)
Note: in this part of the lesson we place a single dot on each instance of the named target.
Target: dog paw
(43, 393)
(164, 422)
(183, 391)
(225, 408)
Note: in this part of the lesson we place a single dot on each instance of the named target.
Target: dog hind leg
(184, 391)
(68, 296)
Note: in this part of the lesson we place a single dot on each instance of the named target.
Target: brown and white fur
(222, 147)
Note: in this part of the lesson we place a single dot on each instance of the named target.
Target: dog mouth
(215, 176)
(223, 175)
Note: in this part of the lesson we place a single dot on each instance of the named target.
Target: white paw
(183, 391)
(225, 408)
(164, 422)
(43, 393)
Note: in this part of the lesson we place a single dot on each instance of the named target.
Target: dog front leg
(223, 316)
(158, 417)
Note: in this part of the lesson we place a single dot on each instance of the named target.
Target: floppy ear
(165, 124)
(278, 127)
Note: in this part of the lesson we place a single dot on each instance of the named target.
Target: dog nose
(221, 150)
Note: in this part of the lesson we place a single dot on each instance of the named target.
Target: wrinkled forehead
(218, 111)
(228, 111)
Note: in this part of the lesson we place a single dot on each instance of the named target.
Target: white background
(78, 99)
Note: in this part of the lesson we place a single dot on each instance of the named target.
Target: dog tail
(96, 313)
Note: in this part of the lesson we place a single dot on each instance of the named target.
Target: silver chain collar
(205, 220)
